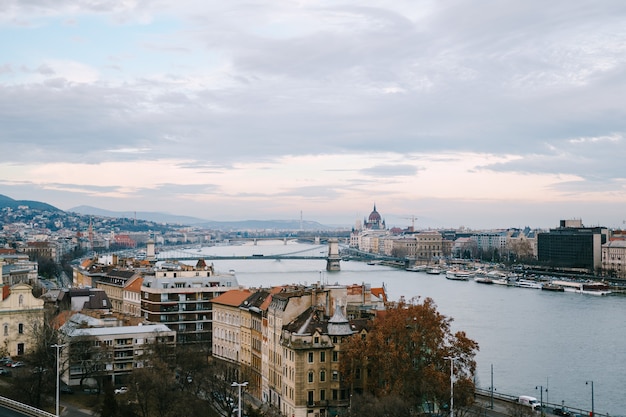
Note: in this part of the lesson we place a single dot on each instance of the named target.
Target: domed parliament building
(374, 221)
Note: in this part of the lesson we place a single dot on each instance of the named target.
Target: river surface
(532, 339)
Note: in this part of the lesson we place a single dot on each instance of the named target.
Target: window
(310, 357)
(335, 375)
(316, 339)
(322, 356)
(322, 395)
(310, 398)
(310, 376)
(6, 329)
(20, 328)
(322, 376)
(335, 356)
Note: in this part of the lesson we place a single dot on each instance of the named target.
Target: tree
(34, 387)
(109, 407)
(405, 355)
(92, 356)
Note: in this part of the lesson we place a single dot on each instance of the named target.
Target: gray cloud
(253, 81)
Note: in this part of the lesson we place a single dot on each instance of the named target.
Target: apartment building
(102, 349)
(280, 384)
(114, 282)
(228, 327)
(181, 296)
(237, 333)
(311, 352)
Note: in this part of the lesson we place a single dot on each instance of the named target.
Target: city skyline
(505, 115)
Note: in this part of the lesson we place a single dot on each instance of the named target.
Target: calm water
(532, 338)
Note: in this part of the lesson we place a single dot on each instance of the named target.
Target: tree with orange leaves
(406, 354)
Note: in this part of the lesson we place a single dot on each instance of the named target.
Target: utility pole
(58, 348)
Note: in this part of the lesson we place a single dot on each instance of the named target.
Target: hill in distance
(36, 205)
(194, 221)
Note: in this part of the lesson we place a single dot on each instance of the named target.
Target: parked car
(5, 372)
(17, 364)
(562, 412)
(66, 389)
(121, 390)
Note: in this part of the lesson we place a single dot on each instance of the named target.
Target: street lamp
(491, 388)
(239, 385)
(451, 359)
(592, 410)
(58, 348)
(540, 388)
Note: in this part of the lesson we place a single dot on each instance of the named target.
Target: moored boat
(417, 268)
(590, 288)
(483, 280)
(458, 275)
(525, 283)
(434, 271)
(552, 287)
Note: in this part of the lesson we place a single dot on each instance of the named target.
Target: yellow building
(311, 350)
(20, 312)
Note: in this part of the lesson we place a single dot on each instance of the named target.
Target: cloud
(258, 102)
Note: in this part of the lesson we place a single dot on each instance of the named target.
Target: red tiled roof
(268, 300)
(232, 298)
(380, 293)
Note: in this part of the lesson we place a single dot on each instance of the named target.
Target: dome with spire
(374, 221)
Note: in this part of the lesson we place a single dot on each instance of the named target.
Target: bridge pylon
(333, 260)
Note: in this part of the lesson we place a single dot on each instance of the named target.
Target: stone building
(311, 351)
(20, 313)
(614, 258)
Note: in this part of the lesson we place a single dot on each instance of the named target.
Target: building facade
(98, 350)
(572, 248)
(181, 296)
(311, 351)
(20, 313)
(614, 258)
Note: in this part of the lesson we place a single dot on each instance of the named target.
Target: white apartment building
(116, 350)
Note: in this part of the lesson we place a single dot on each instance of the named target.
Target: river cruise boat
(590, 288)
(458, 275)
(526, 283)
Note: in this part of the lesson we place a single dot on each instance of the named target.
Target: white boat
(417, 268)
(483, 280)
(590, 288)
(458, 275)
(434, 271)
(525, 283)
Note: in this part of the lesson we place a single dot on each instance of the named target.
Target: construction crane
(412, 218)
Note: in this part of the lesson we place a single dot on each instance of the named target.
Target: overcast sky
(484, 114)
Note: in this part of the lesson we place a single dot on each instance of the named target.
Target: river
(533, 339)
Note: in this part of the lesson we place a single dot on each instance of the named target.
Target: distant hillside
(14, 204)
(140, 215)
(194, 221)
